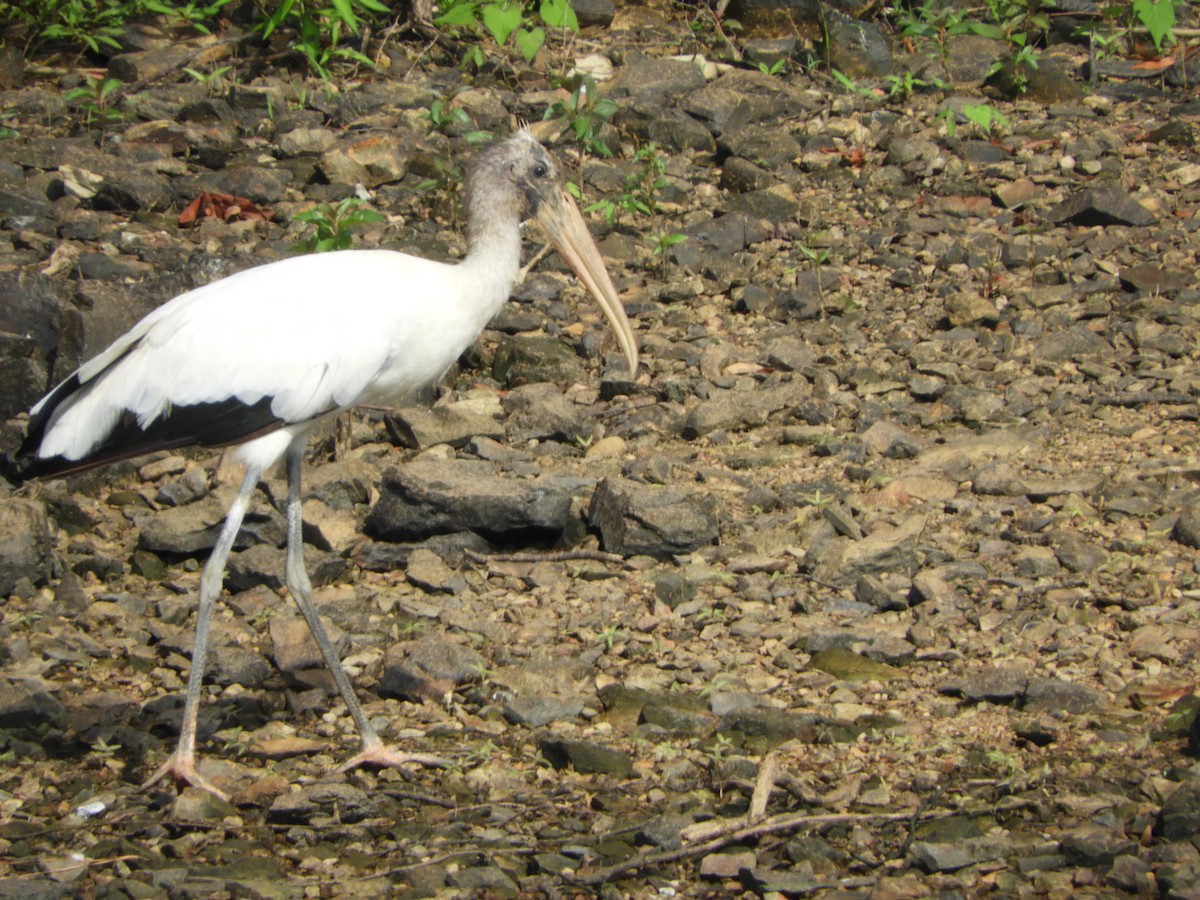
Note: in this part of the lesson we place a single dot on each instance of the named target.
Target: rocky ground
(879, 580)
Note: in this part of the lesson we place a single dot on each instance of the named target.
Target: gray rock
(183, 530)
(238, 665)
(1053, 696)
(263, 564)
(995, 684)
(1187, 526)
(293, 645)
(858, 48)
(482, 881)
(25, 705)
(1179, 818)
(541, 411)
(594, 12)
(725, 410)
(767, 147)
(586, 757)
(428, 497)
(1094, 845)
(428, 571)
(428, 669)
(24, 543)
(635, 518)
(29, 333)
(368, 159)
(325, 800)
(526, 358)
(1076, 553)
(539, 711)
(950, 857)
(419, 427)
(1107, 203)
(742, 97)
(656, 80)
(869, 589)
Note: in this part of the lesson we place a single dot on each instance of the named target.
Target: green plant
(665, 240)
(1158, 18)
(774, 68)
(320, 29)
(410, 628)
(95, 100)
(334, 224)
(719, 748)
(609, 636)
(103, 748)
(904, 86)
(210, 80)
(853, 86)
(931, 25)
(90, 25)
(817, 258)
(525, 21)
(6, 132)
(194, 13)
(984, 117)
(440, 116)
(585, 111)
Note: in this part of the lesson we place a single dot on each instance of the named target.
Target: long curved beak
(564, 225)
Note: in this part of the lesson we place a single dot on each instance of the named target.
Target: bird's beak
(564, 225)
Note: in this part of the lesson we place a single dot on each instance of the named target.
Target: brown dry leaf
(1155, 65)
(226, 207)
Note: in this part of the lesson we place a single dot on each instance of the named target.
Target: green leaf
(559, 14)
(1159, 18)
(345, 12)
(987, 30)
(458, 14)
(529, 42)
(281, 12)
(501, 21)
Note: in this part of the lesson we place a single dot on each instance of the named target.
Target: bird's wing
(278, 344)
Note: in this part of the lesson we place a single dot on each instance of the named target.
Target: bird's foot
(380, 755)
(182, 770)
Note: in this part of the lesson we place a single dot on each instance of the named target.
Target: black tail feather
(202, 424)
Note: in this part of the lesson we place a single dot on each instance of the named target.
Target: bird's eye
(540, 170)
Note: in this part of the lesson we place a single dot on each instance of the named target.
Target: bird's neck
(493, 256)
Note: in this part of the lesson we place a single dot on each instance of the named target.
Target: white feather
(314, 333)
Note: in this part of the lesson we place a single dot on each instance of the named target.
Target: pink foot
(182, 770)
(380, 755)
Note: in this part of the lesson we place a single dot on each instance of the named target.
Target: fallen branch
(719, 834)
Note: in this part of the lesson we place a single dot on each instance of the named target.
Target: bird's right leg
(374, 751)
(181, 765)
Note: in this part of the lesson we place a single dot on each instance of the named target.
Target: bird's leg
(181, 765)
(374, 751)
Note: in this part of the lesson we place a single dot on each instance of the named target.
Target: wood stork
(259, 358)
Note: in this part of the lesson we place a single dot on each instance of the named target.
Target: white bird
(259, 358)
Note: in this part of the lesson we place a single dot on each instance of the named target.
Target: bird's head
(536, 184)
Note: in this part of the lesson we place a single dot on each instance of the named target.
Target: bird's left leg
(181, 765)
(374, 751)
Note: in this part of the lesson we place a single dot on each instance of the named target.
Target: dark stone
(23, 705)
(594, 12)
(1179, 818)
(322, 800)
(428, 497)
(1187, 526)
(428, 669)
(586, 757)
(24, 543)
(635, 518)
(1106, 203)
